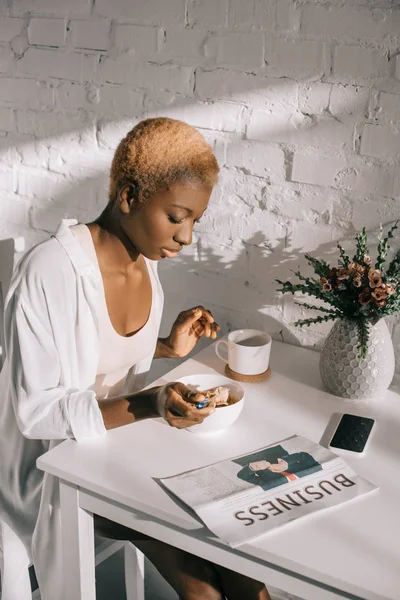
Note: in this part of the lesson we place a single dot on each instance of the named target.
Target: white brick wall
(357, 63)
(238, 50)
(184, 45)
(47, 32)
(93, 35)
(301, 60)
(298, 99)
(207, 13)
(141, 41)
(151, 12)
(51, 7)
(380, 141)
(10, 28)
(347, 22)
(46, 64)
(388, 108)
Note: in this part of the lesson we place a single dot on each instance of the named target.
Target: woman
(82, 320)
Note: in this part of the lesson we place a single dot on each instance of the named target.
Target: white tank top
(118, 353)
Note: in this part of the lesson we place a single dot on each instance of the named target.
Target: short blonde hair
(159, 153)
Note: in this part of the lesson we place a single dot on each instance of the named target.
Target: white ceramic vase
(344, 373)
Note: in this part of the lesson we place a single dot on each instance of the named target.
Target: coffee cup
(247, 351)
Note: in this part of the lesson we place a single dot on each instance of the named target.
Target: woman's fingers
(207, 329)
(200, 319)
(179, 412)
(214, 330)
(202, 326)
(195, 397)
(206, 314)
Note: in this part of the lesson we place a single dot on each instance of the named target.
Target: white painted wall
(300, 100)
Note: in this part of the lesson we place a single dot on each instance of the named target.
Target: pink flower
(356, 268)
(343, 274)
(326, 285)
(375, 279)
(388, 287)
(379, 294)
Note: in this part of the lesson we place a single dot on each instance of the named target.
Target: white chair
(14, 560)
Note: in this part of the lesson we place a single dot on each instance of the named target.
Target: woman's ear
(127, 197)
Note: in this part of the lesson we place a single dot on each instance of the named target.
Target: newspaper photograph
(244, 497)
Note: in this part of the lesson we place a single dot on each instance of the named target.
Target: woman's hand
(188, 328)
(172, 406)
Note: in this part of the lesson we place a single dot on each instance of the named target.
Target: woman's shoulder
(44, 257)
(46, 265)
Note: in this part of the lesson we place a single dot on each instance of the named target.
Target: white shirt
(52, 354)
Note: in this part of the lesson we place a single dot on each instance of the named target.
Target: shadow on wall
(58, 159)
(242, 292)
(230, 269)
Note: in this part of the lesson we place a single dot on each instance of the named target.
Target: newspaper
(244, 497)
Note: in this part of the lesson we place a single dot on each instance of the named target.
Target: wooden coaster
(247, 378)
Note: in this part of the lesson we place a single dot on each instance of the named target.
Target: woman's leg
(237, 587)
(192, 578)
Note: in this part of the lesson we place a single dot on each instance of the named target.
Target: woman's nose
(184, 235)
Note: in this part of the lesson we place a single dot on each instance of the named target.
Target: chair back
(8, 248)
(14, 559)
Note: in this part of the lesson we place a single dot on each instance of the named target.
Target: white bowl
(223, 416)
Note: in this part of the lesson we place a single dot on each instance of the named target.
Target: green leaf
(383, 246)
(393, 269)
(344, 259)
(320, 267)
(361, 248)
(329, 311)
(310, 288)
(308, 322)
(342, 299)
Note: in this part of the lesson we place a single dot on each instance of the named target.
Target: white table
(352, 551)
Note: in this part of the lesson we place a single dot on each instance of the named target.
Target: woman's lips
(169, 253)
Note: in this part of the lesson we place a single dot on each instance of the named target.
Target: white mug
(248, 351)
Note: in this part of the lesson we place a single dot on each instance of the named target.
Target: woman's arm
(164, 350)
(129, 409)
(166, 401)
(44, 408)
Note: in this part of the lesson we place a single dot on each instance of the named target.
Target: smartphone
(202, 404)
(352, 433)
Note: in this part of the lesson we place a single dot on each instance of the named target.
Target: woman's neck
(114, 249)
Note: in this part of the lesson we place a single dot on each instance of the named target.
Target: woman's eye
(197, 220)
(174, 220)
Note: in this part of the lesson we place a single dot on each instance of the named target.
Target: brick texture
(91, 35)
(52, 7)
(10, 28)
(300, 101)
(47, 32)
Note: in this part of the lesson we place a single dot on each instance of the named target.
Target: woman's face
(163, 225)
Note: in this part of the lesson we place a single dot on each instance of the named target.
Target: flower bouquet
(358, 292)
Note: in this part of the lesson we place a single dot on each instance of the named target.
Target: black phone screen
(352, 433)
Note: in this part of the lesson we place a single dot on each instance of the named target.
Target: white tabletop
(355, 546)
